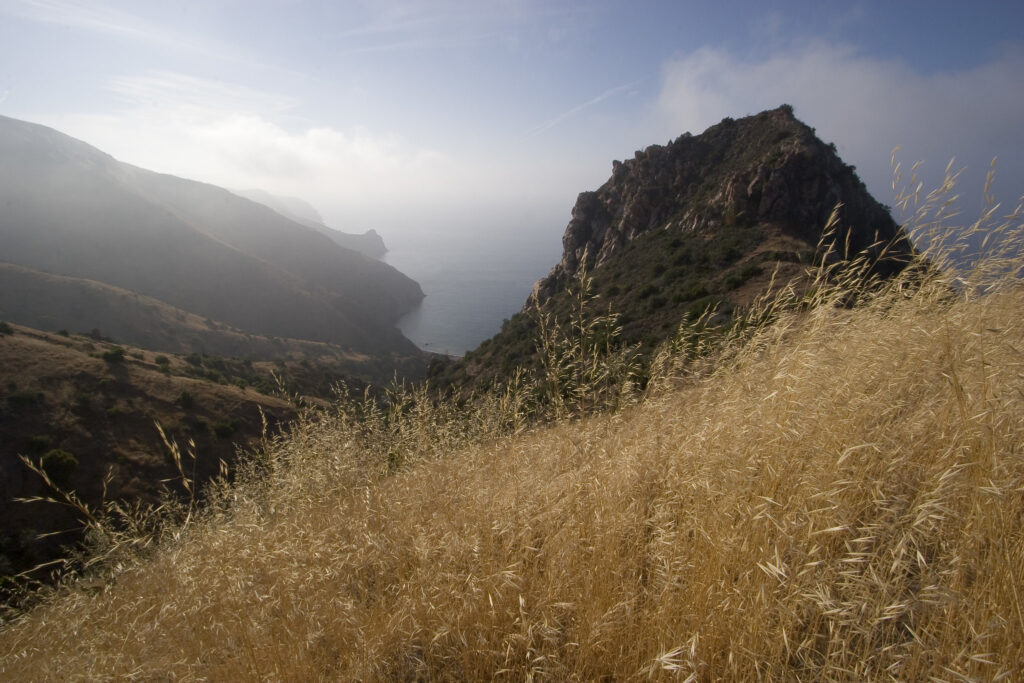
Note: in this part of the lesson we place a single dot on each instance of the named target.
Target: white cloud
(92, 16)
(866, 106)
(242, 138)
(100, 17)
(167, 89)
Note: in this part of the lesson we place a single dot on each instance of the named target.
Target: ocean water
(471, 288)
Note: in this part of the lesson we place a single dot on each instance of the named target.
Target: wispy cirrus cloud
(172, 90)
(405, 26)
(578, 109)
(100, 17)
(94, 16)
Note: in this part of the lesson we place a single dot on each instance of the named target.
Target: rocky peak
(767, 169)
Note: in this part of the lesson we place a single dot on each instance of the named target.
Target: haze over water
(471, 286)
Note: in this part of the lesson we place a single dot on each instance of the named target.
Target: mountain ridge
(73, 210)
(368, 243)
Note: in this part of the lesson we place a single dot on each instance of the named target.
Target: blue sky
(480, 118)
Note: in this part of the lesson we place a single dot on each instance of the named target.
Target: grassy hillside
(98, 402)
(54, 302)
(833, 491)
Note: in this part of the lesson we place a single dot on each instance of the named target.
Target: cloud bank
(867, 107)
(239, 137)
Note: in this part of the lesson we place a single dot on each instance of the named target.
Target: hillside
(706, 221)
(99, 401)
(71, 210)
(54, 302)
(830, 493)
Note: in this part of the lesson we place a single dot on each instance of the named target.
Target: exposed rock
(763, 169)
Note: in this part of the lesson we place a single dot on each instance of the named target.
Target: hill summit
(769, 170)
(706, 222)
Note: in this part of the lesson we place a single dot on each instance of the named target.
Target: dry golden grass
(840, 497)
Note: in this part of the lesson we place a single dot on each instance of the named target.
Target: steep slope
(98, 402)
(368, 243)
(704, 221)
(72, 210)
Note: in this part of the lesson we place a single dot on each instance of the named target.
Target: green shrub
(83, 401)
(59, 465)
(24, 398)
(734, 280)
(5, 328)
(690, 293)
(186, 400)
(738, 277)
(648, 290)
(199, 425)
(225, 428)
(750, 270)
(115, 355)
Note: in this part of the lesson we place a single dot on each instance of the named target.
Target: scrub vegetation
(830, 489)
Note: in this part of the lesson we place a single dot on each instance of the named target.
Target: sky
(482, 120)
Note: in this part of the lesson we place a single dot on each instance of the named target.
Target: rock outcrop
(767, 169)
(707, 222)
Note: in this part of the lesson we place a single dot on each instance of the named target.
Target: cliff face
(768, 169)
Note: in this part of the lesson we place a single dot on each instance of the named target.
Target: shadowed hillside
(54, 302)
(72, 210)
(90, 408)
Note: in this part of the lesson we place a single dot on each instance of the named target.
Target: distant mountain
(702, 221)
(69, 209)
(369, 243)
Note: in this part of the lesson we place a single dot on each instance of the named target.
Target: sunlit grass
(834, 490)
